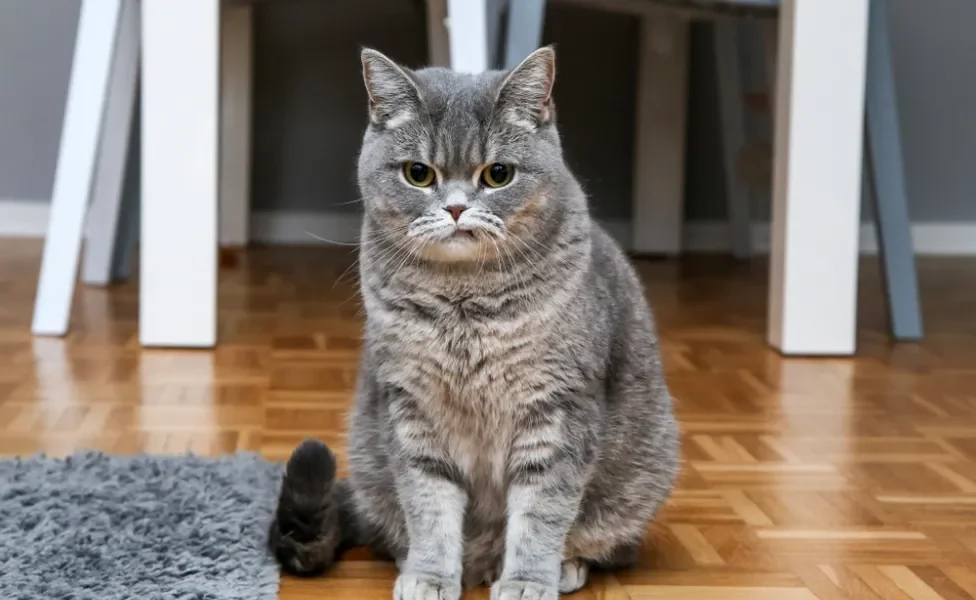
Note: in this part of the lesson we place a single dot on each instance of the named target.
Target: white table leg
(113, 152)
(659, 155)
(87, 96)
(468, 35)
(817, 176)
(180, 122)
(235, 124)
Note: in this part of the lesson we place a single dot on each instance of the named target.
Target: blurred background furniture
(84, 135)
(836, 45)
(195, 65)
(193, 62)
(172, 48)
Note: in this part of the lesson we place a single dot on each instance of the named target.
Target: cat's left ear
(525, 97)
(393, 96)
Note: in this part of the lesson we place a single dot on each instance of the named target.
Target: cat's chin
(460, 247)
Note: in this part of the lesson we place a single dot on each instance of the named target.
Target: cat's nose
(456, 210)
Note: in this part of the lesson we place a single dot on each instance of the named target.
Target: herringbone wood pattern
(803, 479)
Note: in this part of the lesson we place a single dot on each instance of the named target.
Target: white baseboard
(305, 227)
(932, 239)
(343, 228)
(22, 218)
(929, 239)
(942, 239)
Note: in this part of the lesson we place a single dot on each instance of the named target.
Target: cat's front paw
(417, 586)
(522, 590)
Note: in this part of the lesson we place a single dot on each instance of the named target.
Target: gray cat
(512, 425)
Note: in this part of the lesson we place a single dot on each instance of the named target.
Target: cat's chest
(472, 380)
(481, 364)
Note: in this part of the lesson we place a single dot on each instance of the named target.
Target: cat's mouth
(463, 244)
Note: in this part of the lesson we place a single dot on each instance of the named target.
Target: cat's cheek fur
(525, 218)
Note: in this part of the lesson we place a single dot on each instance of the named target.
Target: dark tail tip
(311, 467)
(306, 528)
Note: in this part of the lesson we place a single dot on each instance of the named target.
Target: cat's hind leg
(574, 572)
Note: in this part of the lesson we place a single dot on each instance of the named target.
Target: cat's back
(616, 283)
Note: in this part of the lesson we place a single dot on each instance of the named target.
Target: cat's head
(458, 167)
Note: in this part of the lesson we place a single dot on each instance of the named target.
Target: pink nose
(456, 210)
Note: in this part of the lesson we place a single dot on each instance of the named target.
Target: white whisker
(328, 241)
(379, 236)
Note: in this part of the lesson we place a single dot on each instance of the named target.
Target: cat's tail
(314, 521)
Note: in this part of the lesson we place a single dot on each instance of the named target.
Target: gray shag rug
(94, 526)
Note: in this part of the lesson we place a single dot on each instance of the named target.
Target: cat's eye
(497, 175)
(418, 174)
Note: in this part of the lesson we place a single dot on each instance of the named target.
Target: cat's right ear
(393, 97)
(525, 97)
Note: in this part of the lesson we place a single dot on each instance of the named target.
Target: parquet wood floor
(803, 479)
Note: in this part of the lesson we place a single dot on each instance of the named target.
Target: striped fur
(512, 425)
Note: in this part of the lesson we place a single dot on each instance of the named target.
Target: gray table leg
(733, 135)
(885, 176)
(127, 232)
(524, 34)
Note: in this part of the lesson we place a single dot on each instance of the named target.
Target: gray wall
(309, 103)
(935, 59)
(36, 43)
(934, 48)
(310, 106)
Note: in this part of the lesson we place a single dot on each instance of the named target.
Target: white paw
(573, 575)
(522, 590)
(416, 586)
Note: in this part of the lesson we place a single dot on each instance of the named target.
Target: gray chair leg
(524, 30)
(127, 232)
(732, 113)
(885, 177)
